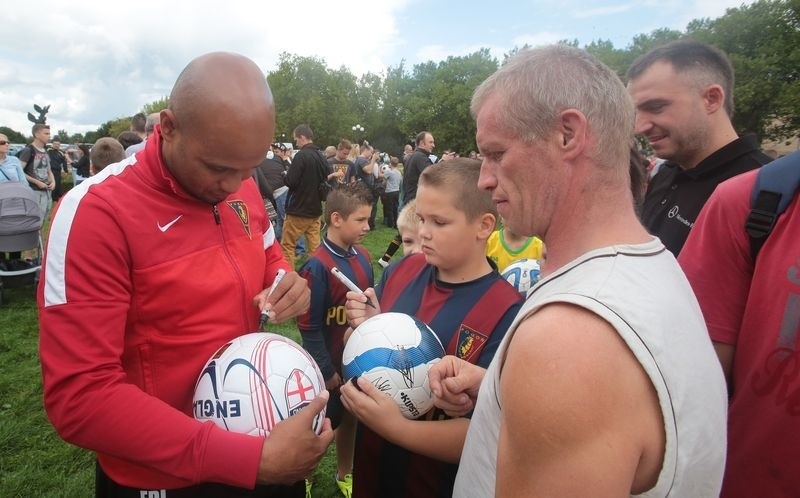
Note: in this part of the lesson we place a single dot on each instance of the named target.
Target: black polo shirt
(675, 196)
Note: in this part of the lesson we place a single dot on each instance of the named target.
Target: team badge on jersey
(240, 207)
(470, 343)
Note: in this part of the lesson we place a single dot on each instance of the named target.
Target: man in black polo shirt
(683, 93)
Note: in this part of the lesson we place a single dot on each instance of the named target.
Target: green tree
(62, 136)
(91, 137)
(763, 42)
(117, 126)
(306, 91)
(155, 106)
(440, 97)
(13, 135)
(617, 59)
(110, 128)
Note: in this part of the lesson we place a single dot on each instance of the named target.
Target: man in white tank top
(607, 384)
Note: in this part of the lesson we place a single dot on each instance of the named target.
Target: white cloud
(93, 63)
(540, 38)
(603, 11)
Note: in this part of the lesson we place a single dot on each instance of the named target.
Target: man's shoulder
(25, 152)
(738, 156)
(420, 157)
(271, 162)
(306, 155)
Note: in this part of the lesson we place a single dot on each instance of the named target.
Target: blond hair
(537, 84)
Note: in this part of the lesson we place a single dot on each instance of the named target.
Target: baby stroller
(20, 225)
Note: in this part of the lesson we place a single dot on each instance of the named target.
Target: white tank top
(643, 294)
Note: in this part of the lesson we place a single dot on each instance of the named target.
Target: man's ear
(572, 129)
(169, 125)
(713, 98)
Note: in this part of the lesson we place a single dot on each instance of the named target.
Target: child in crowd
(505, 247)
(408, 228)
(322, 327)
(453, 288)
(391, 195)
(407, 237)
(104, 152)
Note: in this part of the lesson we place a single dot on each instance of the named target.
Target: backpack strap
(776, 184)
(31, 154)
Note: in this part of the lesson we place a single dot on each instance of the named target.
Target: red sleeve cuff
(231, 458)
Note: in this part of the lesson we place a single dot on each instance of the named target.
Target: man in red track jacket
(151, 266)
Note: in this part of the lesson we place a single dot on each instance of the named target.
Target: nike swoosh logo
(166, 227)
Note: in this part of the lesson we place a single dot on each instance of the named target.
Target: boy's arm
(51, 179)
(439, 439)
(314, 343)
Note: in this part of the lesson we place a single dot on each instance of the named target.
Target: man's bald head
(221, 85)
(218, 126)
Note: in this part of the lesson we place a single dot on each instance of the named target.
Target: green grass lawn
(34, 461)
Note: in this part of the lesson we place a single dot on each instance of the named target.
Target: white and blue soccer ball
(522, 274)
(254, 382)
(394, 351)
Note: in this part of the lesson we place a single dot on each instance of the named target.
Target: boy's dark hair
(304, 130)
(710, 65)
(138, 122)
(344, 144)
(128, 138)
(345, 199)
(459, 177)
(39, 126)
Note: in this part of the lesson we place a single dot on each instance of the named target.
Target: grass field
(34, 461)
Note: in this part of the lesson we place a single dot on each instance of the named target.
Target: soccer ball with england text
(254, 382)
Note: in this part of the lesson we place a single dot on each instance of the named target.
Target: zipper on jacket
(234, 264)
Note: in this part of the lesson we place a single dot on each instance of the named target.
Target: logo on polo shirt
(673, 213)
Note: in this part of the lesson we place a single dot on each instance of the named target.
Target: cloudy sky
(93, 61)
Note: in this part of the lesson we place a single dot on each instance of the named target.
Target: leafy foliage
(14, 136)
(762, 40)
(155, 106)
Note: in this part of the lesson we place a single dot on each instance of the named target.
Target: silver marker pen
(264, 313)
(349, 283)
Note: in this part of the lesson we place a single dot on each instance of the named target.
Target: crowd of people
(657, 355)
